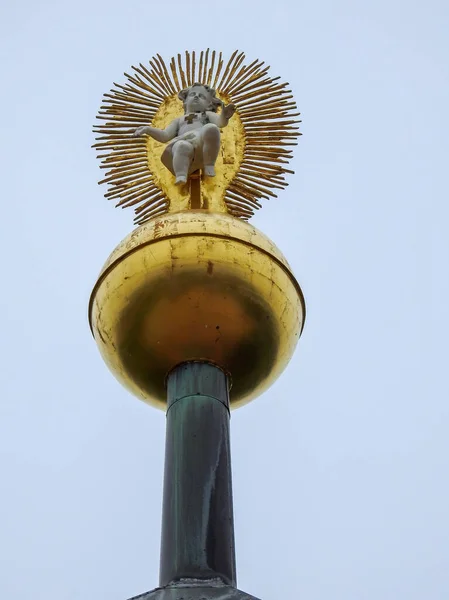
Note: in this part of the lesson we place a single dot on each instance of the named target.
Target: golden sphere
(196, 285)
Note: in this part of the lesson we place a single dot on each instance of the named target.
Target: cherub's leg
(211, 147)
(182, 157)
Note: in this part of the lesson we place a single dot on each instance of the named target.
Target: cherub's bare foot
(181, 179)
(209, 170)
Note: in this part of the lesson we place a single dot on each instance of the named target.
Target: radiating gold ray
(137, 197)
(125, 152)
(119, 173)
(119, 193)
(141, 80)
(119, 126)
(263, 183)
(245, 181)
(263, 167)
(132, 191)
(264, 100)
(270, 117)
(240, 203)
(232, 70)
(251, 201)
(218, 71)
(143, 196)
(255, 76)
(121, 107)
(226, 71)
(257, 108)
(270, 89)
(242, 188)
(272, 124)
(181, 72)
(155, 81)
(166, 74)
(246, 194)
(155, 202)
(114, 169)
(138, 85)
(149, 203)
(132, 187)
(174, 73)
(200, 68)
(206, 62)
(131, 179)
(269, 157)
(260, 173)
(152, 211)
(193, 67)
(131, 98)
(236, 210)
(115, 140)
(211, 70)
(264, 177)
(264, 114)
(256, 84)
(122, 117)
(126, 184)
(117, 159)
(251, 71)
(122, 164)
(117, 129)
(272, 135)
(242, 74)
(157, 76)
(143, 71)
(157, 213)
(114, 145)
(124, 188)
(240, 209)
(188, 72)
(240, 213)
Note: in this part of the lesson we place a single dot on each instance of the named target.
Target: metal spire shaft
(197, 518)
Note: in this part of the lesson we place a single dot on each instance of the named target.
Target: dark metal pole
(197, 516)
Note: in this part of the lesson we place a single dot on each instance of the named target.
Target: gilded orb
(196, 285)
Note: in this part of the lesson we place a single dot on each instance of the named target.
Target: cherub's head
(199, 98)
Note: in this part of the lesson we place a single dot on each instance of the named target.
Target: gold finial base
(196, 285)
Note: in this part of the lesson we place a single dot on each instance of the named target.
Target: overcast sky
(341, 469)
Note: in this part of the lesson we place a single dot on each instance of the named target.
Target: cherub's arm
(160, 135)
(222, 119)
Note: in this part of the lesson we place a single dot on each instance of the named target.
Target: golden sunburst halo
(255, 151)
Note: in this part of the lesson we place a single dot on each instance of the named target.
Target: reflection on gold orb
(195, 285)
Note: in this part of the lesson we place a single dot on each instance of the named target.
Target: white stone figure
(195, 137)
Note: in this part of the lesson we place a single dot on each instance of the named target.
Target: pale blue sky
(341, 469)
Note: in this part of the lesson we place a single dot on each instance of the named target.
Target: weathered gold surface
(196, 285)
(256, 144)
